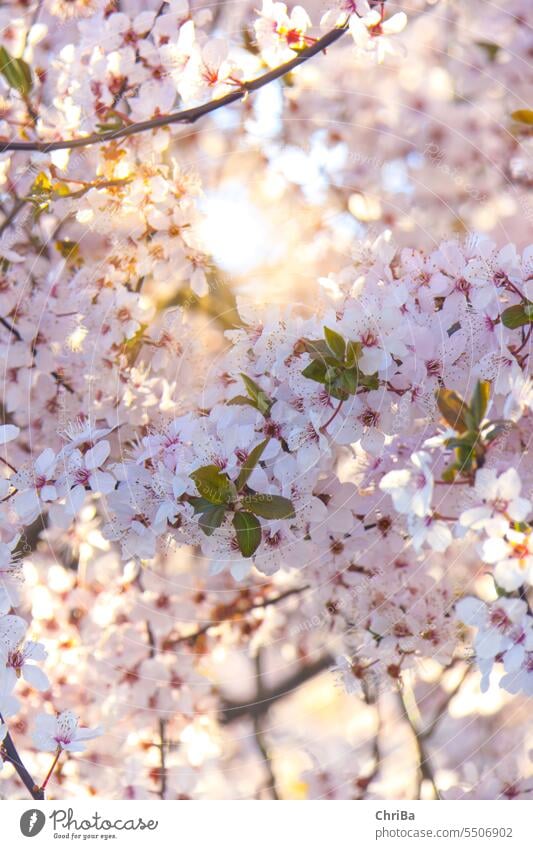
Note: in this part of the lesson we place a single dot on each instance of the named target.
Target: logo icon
(32, 822)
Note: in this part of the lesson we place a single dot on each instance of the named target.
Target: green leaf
(370, 381)
(495, 430)
(241, 400)
(316, 347)
(353, 352)
(335, 343)
(212, 484)
(248, 532)
(269, 506)
(250, 463)
(467, 441)
(17, 72)
(349, 380)
(480, 401)
(523, 116)
(517, 316)
(490, 48)
(212, 519)
(450, 473)
(453, 409)
(260, 399)
(465, 457)
(316, 370)
(200, 505)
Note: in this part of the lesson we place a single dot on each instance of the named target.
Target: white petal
(8, 433)
(97, 455)
(471, 611)
(102, 482)
(35, 677)
(395, 24)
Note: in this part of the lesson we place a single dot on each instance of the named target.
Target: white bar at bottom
(262, 825)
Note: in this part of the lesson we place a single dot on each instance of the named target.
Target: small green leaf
(200, 505)
(316, 347)
(248, 532)
(490, 48)
(517, 316)
(480, 401)
(250, 463)
(523, 116)
(465, 457)
(260, 399)
(212, 519)
(450, 473)
(212, 484)
(495, 430)
(335, 343)
(316, 370)
(353, 352)
(349, 380)
(453, 409)
(241, 400)
(464, 442)
(269, 506)
(17, 72)
(370, 381)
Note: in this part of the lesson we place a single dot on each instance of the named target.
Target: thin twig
(19, 204)
(425, 767)
(186, 116)
(259, 733)
(231, 711)
(441, 712)
(258, 605)
(332, 417)
(162, 759)
(50, 771)
(9, 753)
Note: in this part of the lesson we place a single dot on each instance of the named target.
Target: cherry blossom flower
(505, 633)
(370, 32)
(411, 489)
(512, 557)
(502, 502)
(278, 33)
(62, 732)
(19, 663)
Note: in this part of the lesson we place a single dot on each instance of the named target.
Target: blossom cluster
(369, 444)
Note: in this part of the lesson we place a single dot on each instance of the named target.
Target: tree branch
(231, 711)
(258, 605)
(425, 767)
(19, 204)
(186, 116)
(10, 754)
(259, 733)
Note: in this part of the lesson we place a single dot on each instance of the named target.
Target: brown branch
(258, 605)
(231, 711)
(19, 204)
(441, 712)
(9, 753)
(424, 767)
(162, 773)
(259, 732)
(186, 116)
(12, 329)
